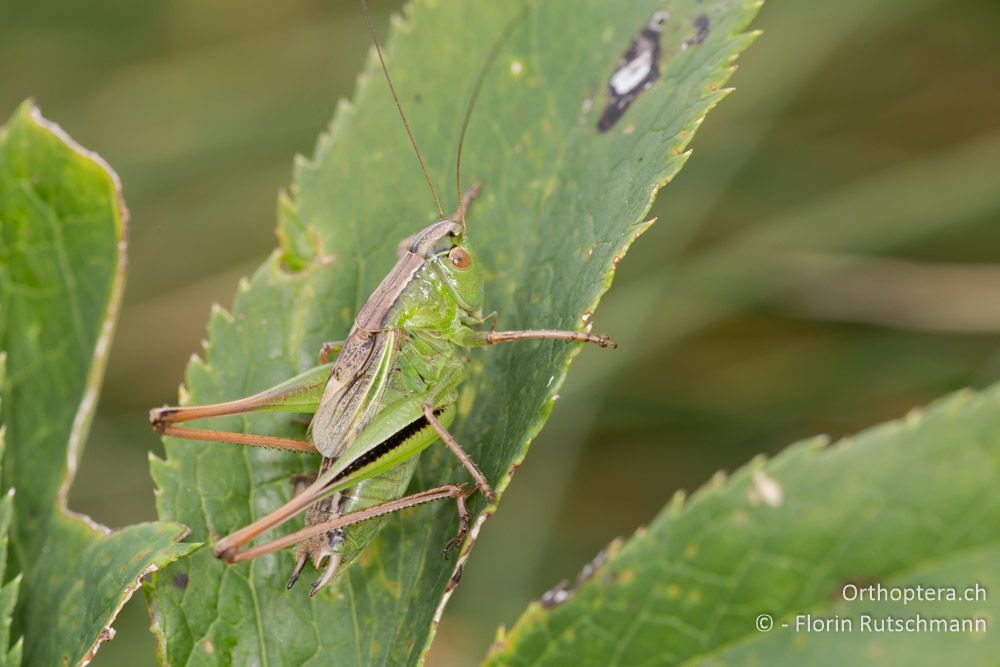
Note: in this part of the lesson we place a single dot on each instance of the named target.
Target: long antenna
(399, 107)
(490, 59)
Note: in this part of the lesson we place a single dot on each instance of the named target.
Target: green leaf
(561, 203)
(62, 261)
(9, 657)
(783, 538)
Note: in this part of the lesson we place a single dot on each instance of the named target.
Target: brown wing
(354, 391)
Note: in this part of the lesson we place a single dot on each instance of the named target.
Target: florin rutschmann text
(882, 615)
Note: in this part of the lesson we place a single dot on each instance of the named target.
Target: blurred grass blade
(919, 296)
(899, 206)
(782, 538)
(561, 204)
(62, 250)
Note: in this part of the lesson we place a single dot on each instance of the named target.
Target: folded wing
(354, 390)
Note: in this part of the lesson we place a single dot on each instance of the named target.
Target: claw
(453, 542)
(456, 541)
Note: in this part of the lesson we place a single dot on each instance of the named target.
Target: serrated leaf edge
(720, 482)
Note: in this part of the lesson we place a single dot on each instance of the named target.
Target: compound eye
(459, 258)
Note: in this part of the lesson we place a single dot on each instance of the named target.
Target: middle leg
(459, 453)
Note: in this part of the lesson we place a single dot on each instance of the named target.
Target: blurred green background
(829, 258)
